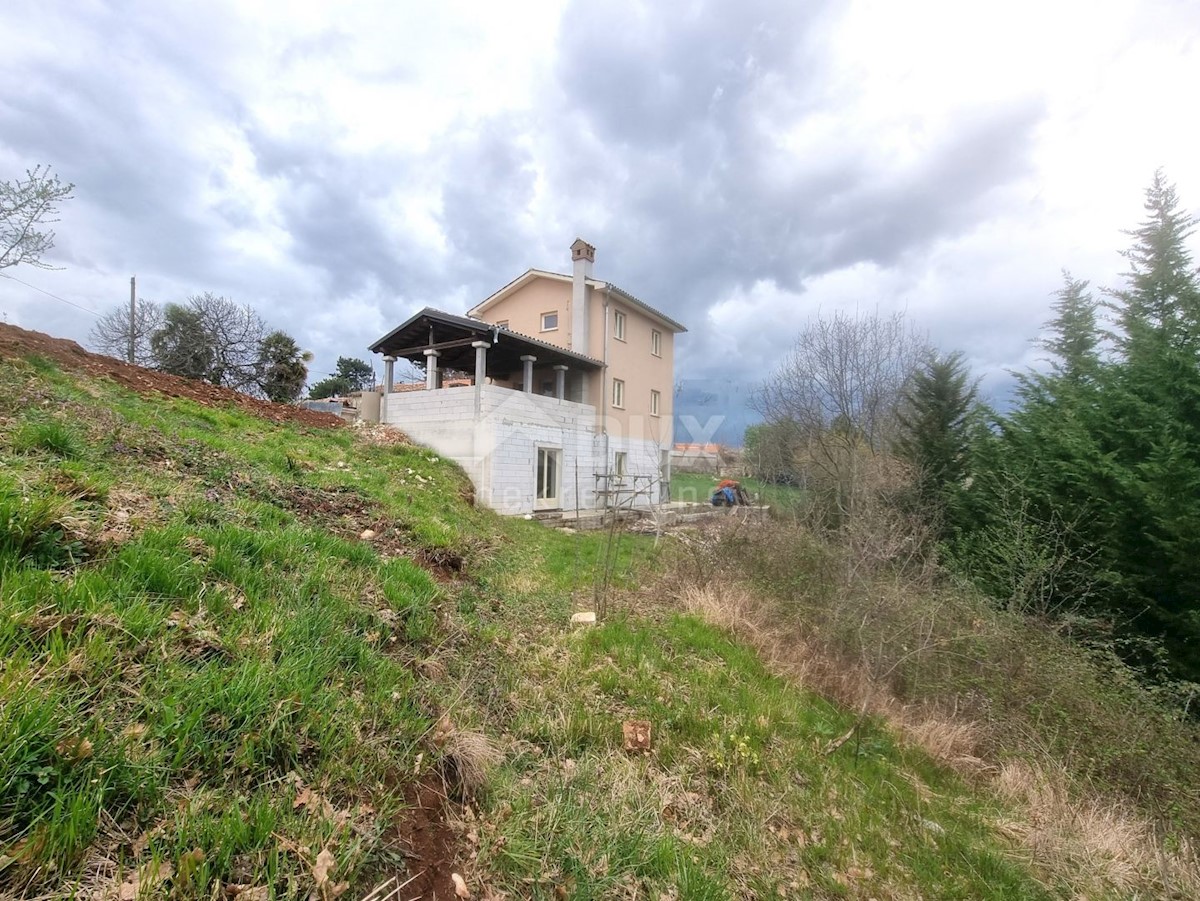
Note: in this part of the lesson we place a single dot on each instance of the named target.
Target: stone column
(431, 370)
(560, 382)
(481, 349)
(389, 364)
(528, 360)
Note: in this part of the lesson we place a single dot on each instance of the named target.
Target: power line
(13, 278)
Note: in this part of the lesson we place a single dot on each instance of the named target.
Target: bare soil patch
(428, 841)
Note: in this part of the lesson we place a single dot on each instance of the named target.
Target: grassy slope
(206, 669)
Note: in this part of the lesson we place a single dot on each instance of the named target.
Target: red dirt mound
(17, 343)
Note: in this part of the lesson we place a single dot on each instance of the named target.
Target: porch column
(480, 374)
(560, 382)
(388, 372)
(528, 360)
(481, 349)
(431, 370)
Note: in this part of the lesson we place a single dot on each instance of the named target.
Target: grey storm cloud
(337, 210)
(677, 113)
(120, 162)
(670, 101)
(331, 207)
(669, 124)
(653, 75)
(490, 180)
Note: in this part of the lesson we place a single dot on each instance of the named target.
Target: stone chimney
(583, 255)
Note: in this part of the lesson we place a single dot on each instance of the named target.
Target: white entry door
(549, 479)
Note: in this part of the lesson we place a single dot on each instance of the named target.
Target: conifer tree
(1151, 430)
(1160, 304)
(1107, 452)
(1072, 335)
(935, 430)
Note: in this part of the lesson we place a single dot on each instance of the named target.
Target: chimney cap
(582, 250)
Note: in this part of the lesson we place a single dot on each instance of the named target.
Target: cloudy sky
(740, 165)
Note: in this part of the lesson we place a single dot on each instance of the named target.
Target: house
(562, 397)
(697, 458)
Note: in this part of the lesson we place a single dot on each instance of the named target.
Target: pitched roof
(452, 335)
(530, 274)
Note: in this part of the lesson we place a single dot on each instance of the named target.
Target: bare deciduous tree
(235, 333)
(110, 334)
(26, 206)
(841, 386)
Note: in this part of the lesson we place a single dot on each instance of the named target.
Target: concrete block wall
(442, 420)
(642, 458)
(498, 448)
(516, 425)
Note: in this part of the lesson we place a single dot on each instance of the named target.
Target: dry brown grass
(1102, 846)
(736, 608)
(470, 756)
(1093, 846)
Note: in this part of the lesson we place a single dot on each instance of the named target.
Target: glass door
(549, 479)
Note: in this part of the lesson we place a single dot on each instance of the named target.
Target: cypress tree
(1105, 454)
(1072, 335)
(935, 426)
(1160, 305)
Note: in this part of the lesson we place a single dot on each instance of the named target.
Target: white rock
(587, 616)
(367, 534)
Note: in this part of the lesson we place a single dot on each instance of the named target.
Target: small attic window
(550, 321)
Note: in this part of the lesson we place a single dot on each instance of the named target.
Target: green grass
(205, 667)
(52, 436)
(697, 488)
(738, 798)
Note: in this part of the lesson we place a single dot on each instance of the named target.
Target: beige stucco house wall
(580, 313)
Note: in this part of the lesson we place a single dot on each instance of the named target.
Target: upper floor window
(503, 323)
(655, 402)
(550, 321)
(618, 325)
(618, 393)
(656, 342)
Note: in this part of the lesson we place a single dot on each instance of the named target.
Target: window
(618, 393)
(619, 464)
(503, 323)
(550, 321)
(656, 342)
(655, 400)
(618, 325)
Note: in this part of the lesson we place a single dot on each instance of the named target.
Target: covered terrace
(442, 341)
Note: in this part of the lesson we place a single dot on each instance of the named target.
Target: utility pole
(132, 314)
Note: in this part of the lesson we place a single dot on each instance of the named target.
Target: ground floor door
(549, 479)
